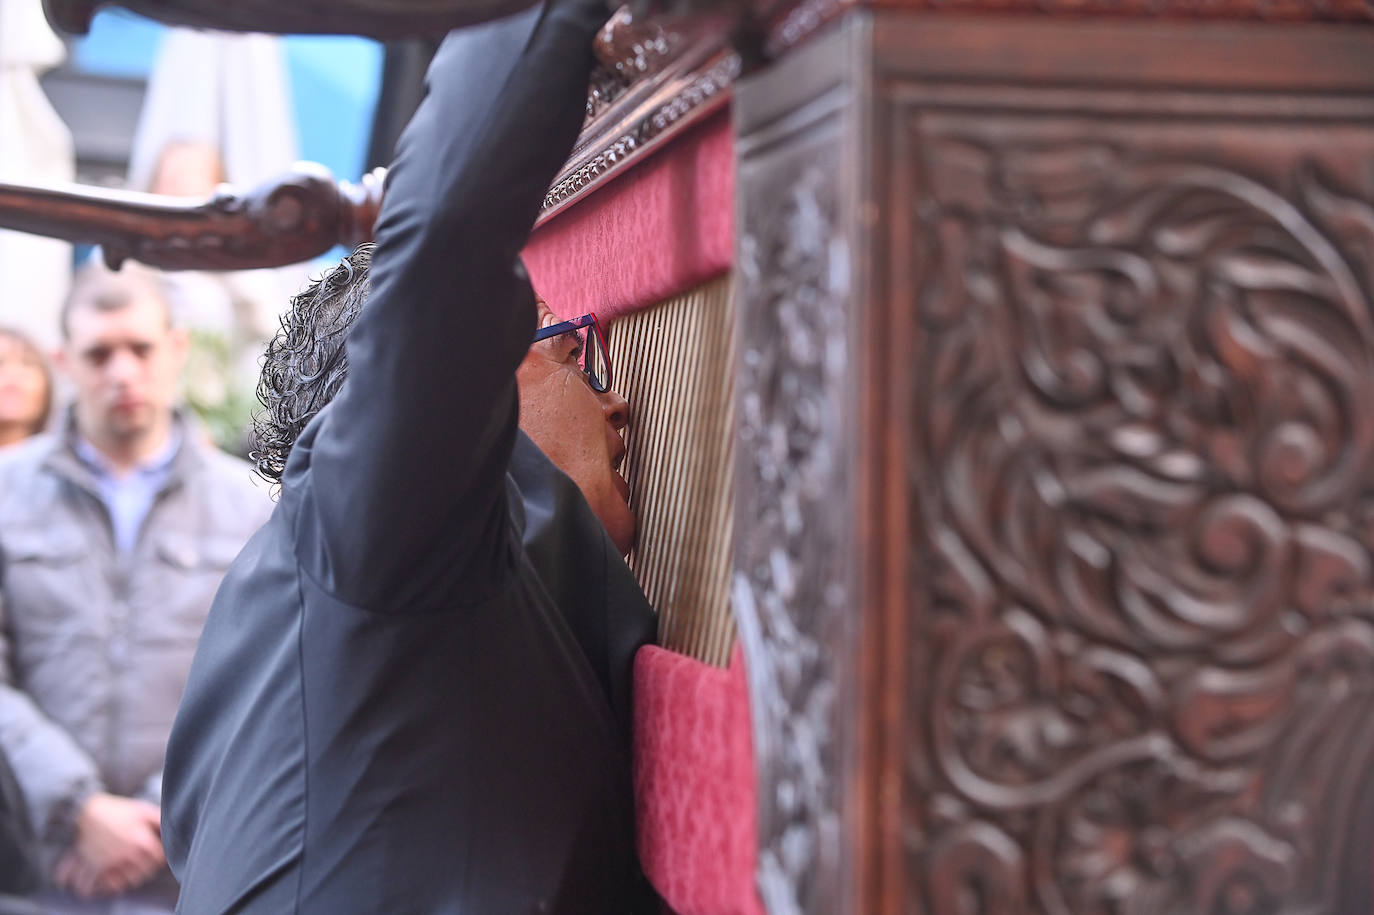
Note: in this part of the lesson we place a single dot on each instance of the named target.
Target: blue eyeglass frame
(587, 320)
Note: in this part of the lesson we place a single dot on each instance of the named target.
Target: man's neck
(125, 455)
(13, 433)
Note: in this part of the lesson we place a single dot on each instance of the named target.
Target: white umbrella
(228, 91)
(35, 147)
(228, 94)
(220, 104)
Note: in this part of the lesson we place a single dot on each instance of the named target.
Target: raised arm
(405, 495)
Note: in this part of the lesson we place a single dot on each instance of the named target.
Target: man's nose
(616, 409)
(123, 365)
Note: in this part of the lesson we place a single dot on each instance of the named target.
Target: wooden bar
(652, 83)
(294, 218)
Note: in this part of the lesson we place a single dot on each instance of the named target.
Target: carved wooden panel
(1144, 655)
(675, 364)
(1141, 670)
(1103, 536)
(651, 83)
(795, 544)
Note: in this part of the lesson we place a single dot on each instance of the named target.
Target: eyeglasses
(596, 358)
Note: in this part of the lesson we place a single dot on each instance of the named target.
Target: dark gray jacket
(412, 695)
(95, 646)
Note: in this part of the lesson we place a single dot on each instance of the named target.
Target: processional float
(1003, 372)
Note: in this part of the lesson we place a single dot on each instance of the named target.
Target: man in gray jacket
(114, 534)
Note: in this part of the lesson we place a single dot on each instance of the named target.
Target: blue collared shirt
(128, 499)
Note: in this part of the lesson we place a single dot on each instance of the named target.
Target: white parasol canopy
(35, 147)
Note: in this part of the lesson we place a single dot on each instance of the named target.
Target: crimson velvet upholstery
(694, 783)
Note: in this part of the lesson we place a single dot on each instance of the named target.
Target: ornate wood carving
(297, 217)
(794, 538)
(1143, 413)
(383, 19)
(652, 83)
(1102, 533)
(1141, 666)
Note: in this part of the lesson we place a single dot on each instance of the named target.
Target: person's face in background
(188, 169)
(125, 364)
(25, 389)
(577, 428)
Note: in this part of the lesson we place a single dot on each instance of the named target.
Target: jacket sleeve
(56, 775)
(405, 505)
(151, 790)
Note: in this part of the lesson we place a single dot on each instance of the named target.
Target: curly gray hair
(306, 362)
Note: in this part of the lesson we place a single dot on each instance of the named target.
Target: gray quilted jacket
(95, 646)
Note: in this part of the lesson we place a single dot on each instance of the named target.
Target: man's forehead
(140, 320)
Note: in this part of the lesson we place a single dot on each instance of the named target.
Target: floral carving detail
(1144, 450)
(791, 605)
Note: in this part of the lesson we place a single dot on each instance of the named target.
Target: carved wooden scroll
(1055, 563)
(795, 541)
(292, 219)
(652, 83)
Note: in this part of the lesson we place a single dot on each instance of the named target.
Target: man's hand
(118, 847)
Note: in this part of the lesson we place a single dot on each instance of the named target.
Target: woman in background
(25, 388)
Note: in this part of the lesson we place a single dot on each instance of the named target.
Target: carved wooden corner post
(1055, 550)
(796, 589)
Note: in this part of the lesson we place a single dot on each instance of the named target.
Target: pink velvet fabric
(661, 228)
(695, 792)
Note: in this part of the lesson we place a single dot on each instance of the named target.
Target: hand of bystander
(118, 846)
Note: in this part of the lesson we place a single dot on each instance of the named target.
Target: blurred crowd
(123, 396)
(118, 516)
